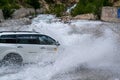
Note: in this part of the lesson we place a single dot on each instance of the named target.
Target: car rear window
(8, 39)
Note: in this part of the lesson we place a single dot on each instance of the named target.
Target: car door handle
(42, 48)
(32, 52)
(19, 47)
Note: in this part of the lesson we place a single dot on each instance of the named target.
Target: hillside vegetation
(90, 6)
(57, 7)
(19, 3)
(8, 6)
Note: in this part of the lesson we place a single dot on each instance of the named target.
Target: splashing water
(89, 51)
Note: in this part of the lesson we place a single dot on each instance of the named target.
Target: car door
(8, 43)
(28, 45)
(47, 44)
(48, 48)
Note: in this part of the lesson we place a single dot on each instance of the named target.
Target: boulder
(23, 12)
(1, 16)
(74, 1)
(109, 14)
(66, 18)
(89, 16)
(40, 11)
(117, 4)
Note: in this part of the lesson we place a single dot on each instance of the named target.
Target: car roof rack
(19, 31)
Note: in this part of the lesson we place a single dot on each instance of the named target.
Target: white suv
(17, 47)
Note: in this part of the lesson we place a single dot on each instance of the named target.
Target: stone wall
(110, 14)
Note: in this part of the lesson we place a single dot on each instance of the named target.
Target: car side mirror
(57, 43)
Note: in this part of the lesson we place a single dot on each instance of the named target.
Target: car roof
(17, 32)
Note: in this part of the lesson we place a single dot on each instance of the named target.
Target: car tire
(12, 59)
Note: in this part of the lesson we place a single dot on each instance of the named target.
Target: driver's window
(45, 40)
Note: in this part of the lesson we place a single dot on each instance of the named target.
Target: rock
(15, 22)
(1, 16)
(40, 11)
(74, 1)
(66, 18)
(23, 12)
(117, 3)
(44, 5)
(89, 16)
(110, 14)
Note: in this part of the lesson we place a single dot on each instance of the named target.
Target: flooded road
(89, 50)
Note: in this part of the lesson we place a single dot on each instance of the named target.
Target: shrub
(49, 1)
(58, 9)
(2, 2)
(7, 12)
(10, 3)
(90, 6)
(34, 3)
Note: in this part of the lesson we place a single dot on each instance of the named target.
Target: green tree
(34, 3)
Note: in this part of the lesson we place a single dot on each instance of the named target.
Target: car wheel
(12, 59)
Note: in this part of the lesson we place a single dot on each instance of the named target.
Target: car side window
(45, 40)
(27, 39)
(8, 39)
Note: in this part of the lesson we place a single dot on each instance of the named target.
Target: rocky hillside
(57, 7)
(11, 8)
(16, 4)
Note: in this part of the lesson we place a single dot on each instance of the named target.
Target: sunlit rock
(23, 12)
(89, 16)
(110, 14)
